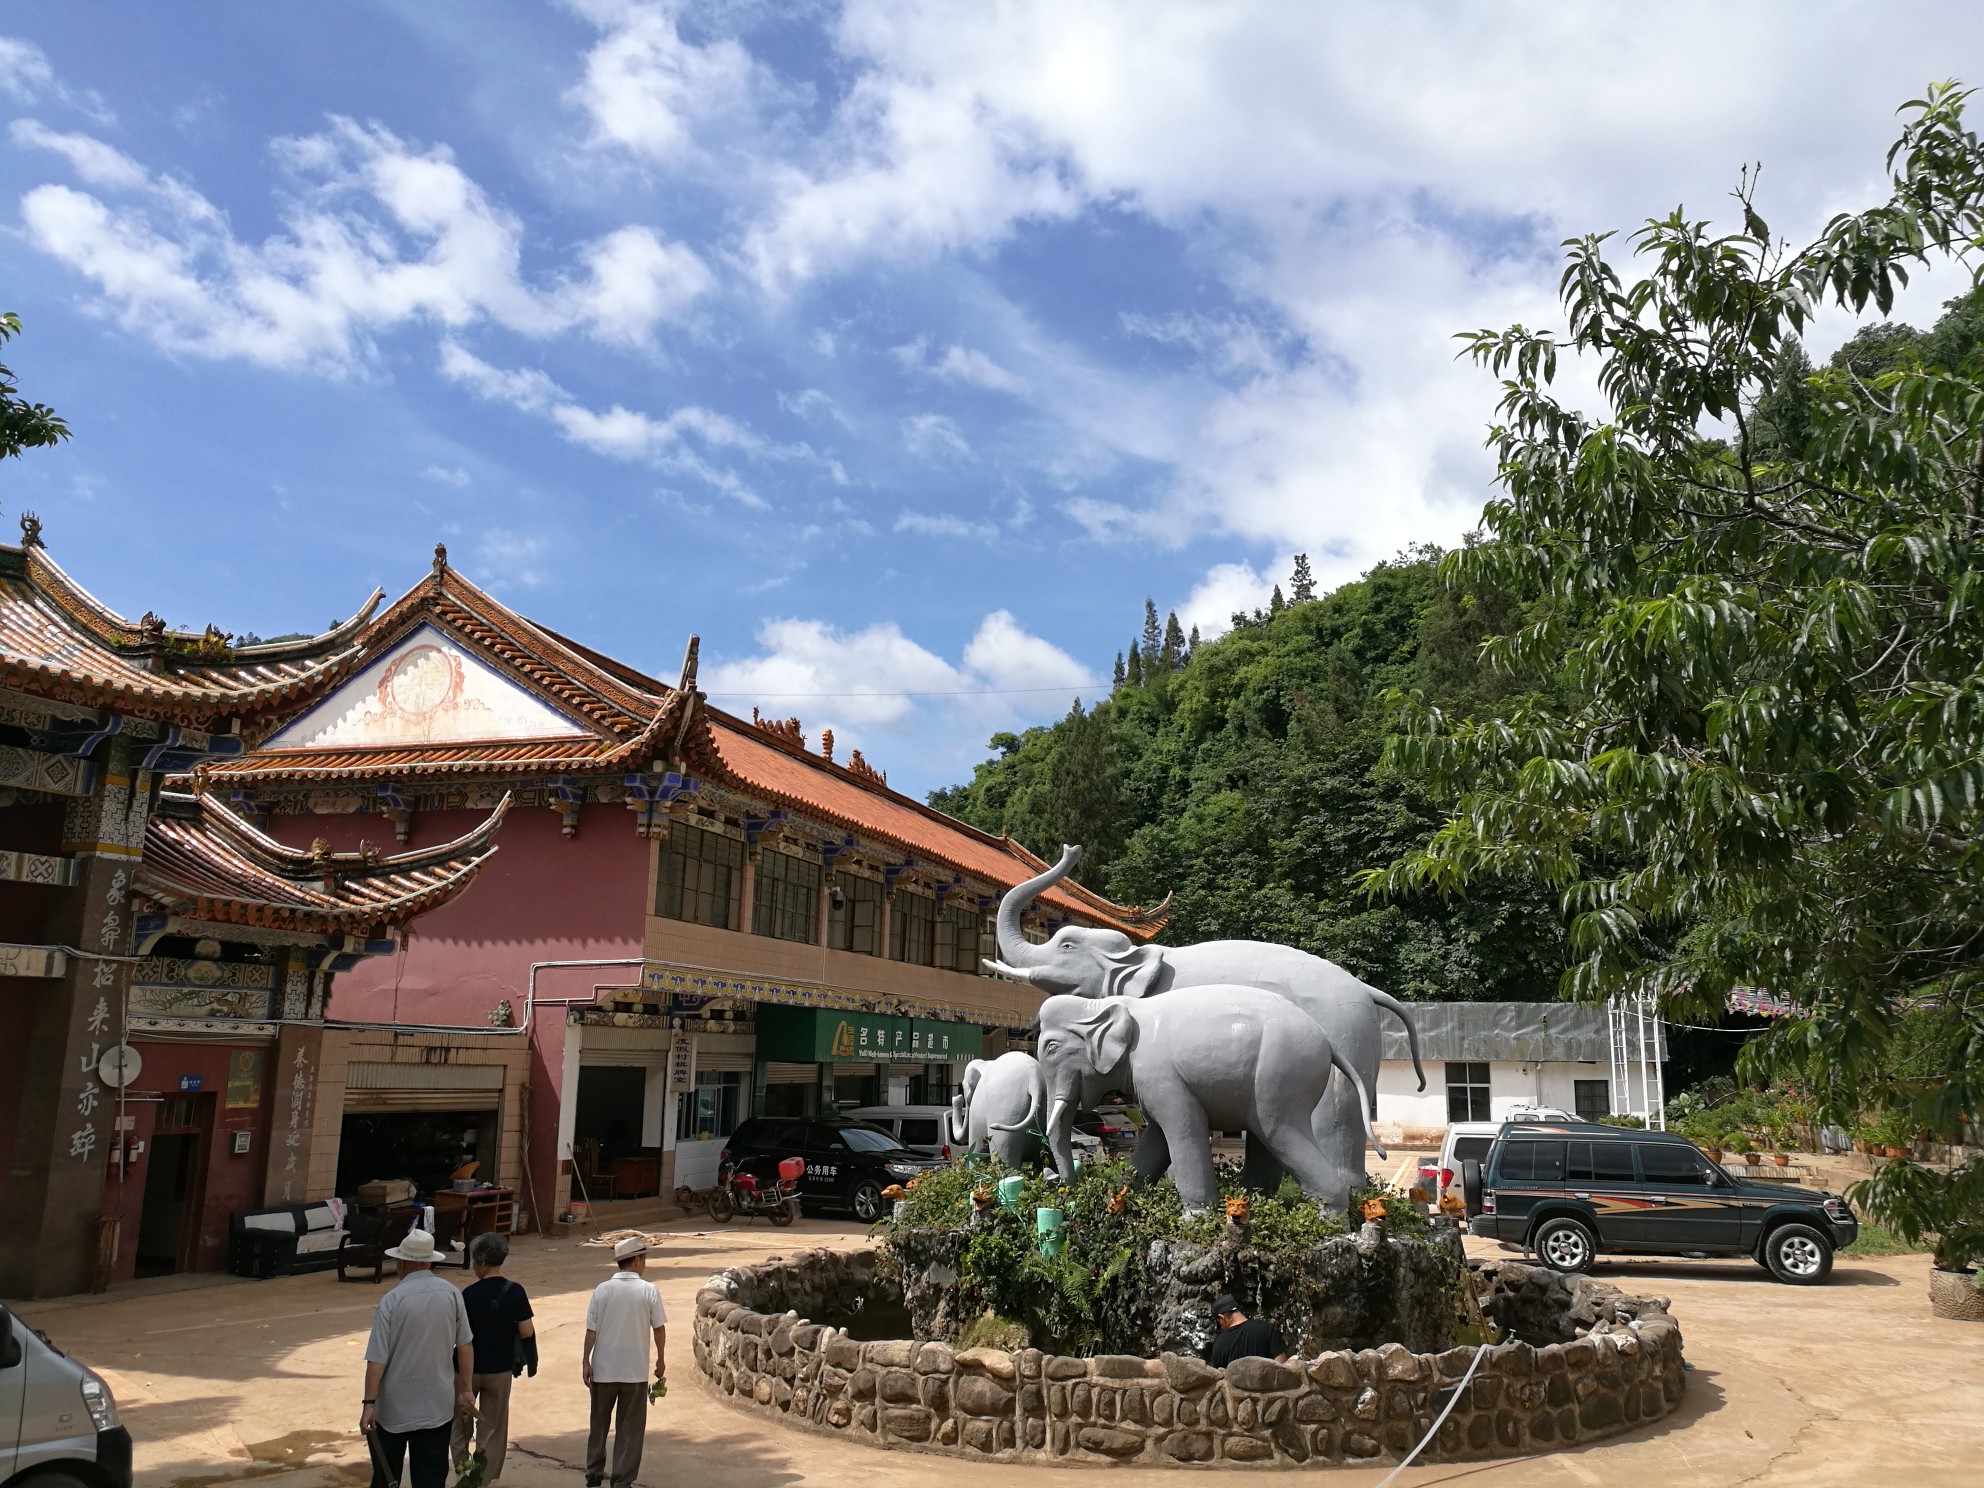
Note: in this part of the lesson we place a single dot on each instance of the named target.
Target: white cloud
(1226, 588)
(381, 234)
(620, 433)
(943, 524)
(512, 559)
(856, 682)
(96, 162)
(447, 475)
(25, 75)
(932, 435)
(24, 70)
(1011, 660)
(648, 91)
(962, 364)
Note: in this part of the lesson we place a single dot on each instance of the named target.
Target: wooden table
(635, 1177)
(485, 1211)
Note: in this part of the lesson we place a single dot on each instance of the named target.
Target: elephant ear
(1133, 971)
(1109, 1032)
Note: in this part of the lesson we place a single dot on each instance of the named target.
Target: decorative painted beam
(397, 809)
(39, 868)
(756, 827)
(648, 797)
(57, 774)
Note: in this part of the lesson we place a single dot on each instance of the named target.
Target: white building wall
(1407, 1114)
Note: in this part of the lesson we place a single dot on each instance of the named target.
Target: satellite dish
(120, 1065)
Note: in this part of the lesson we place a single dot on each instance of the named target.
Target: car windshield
(868, 1139)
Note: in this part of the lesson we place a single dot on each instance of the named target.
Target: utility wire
(950, 692)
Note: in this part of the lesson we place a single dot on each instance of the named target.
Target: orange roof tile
(59, 641)
(204, 861)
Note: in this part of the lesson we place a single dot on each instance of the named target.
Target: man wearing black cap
(1242, 1337)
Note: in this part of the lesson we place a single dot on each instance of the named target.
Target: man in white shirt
(417, 1369)
(624, 1310)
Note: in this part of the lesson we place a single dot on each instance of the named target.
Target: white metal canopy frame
(1638, 1041)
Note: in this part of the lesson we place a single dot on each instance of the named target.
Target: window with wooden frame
(785, 897)
(854, 923)
(912, 928)
(959, 929)
(701, 872)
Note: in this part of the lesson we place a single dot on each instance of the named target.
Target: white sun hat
(418, 1246)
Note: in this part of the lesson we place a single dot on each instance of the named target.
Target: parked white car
(58, 1420)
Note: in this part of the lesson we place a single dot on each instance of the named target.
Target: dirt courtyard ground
(223, 1380)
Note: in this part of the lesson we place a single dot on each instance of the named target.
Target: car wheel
(1798, 1255)
(1565, 1245)
(866, 1201)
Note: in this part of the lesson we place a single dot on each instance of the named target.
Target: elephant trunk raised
(1016, 952)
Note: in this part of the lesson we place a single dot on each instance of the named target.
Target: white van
(925, 1129)
(1472, 1139)
(58, 1422)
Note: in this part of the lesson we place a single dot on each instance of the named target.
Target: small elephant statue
(998, 1108)
(1093, 962)
(1205, 1059)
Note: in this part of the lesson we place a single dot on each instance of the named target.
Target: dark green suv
(1571, 1191)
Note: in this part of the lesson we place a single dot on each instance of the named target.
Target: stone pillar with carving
(56, 1172)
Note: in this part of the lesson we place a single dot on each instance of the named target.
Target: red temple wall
(543, 897)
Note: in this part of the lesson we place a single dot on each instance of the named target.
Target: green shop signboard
(828, 1036)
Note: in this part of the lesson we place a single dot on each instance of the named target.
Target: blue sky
(895, 349)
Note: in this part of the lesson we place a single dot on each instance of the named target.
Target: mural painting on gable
(428, 689)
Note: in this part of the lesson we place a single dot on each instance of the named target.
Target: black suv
(1571, 1191)
(848, 1163)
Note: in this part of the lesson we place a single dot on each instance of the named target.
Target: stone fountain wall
(755, 1345)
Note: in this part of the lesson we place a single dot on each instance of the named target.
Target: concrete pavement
(223, 1381)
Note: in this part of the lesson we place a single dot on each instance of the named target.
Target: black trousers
(427, 1447)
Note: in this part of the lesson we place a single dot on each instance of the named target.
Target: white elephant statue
(998, 1107)
(1205, 1059)
(1086, 962)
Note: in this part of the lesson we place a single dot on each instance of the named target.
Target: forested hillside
(1243, 776)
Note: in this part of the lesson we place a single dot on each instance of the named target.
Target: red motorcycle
(740, 1193)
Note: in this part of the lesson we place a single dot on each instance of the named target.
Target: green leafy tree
(1250, 784)
(1754, 749)
(1302, 587)
(23, 425)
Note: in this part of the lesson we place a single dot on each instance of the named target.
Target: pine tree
(1133, 666)
(1303, 588)
(1116, 679)
(1192, 642)
(1276, 604)
(1172, 655)
(1153, 640)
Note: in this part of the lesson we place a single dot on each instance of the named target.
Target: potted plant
(1943, 1210)
(1739, 1145)
(1782, 1159)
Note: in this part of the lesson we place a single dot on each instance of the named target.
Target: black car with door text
(1570, 1192)
(848, 1163)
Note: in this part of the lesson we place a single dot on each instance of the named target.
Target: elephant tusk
(1054, 1113)
(1025, 1123)
(1000, 968)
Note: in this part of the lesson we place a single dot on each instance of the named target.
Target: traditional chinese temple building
(694, 917)
(163, 965)
(303, 965)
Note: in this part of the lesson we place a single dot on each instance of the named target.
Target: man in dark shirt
(505, 1345)
(1239, 1336)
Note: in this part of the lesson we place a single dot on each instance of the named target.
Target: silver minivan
(925, 1129)
(58, 1421)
